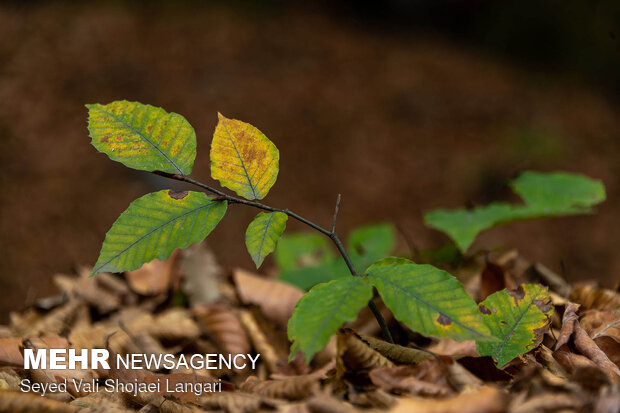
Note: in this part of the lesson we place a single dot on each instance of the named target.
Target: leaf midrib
(245, 171)
(151, 232)
(262, 242)
(511, 331)
(414, 296)
(139, 133)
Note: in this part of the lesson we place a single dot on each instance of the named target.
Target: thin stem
(330, 234)
(335, 220)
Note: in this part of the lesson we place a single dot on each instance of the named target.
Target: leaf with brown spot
(143, 137)
(243, 158)
(428, 300)
(518, 318)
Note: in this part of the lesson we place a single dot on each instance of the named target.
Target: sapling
(426, 299)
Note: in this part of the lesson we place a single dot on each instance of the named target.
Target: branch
(336, 214)
(330, 234)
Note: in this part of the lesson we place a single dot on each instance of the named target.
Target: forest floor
(188, 305)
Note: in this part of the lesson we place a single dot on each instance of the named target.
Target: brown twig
(332, 235)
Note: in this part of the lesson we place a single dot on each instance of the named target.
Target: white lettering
(32, 362)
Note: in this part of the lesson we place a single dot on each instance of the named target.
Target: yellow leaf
(243, 158)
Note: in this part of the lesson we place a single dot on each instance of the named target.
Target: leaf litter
(188, 305)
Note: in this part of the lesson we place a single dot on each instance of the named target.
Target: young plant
(243, 159)
(545, 195)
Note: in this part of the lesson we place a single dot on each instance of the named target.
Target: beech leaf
(545, 195)
(243, 158)
(517, 318)
(319, 313)
(143, 137)
(155, 225)
(428, 300)
(263, 233)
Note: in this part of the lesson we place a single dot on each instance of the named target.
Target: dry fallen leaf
(485, 400)
(292, 388)
(402, 379)
(154, 277)
(355, 357)
(604, 328)
(10, 354)
(237, 402)
(224, 325)
(202, 275)
(19, 402)
(276, 299)
(394, 352)
(593, 298)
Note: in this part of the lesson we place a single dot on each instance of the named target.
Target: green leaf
(372, 242)
(155, 225)
(320, 313)
(517, 318)
(304, 249)
(545, 195)
(143, 137)
(263, 233)
(307, 277)
(558, 193)
(243, 158)
(428, 300)
(463, 226)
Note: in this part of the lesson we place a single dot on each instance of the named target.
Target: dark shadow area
(402, 108)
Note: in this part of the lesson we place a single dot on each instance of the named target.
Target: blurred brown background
(400, 106)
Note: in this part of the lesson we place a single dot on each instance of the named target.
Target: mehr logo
(63, 359)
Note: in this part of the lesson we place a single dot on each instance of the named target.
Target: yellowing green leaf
(263, 233)
(320, 313)
(243, 158)
(517, 318)
(428, 300)
(143, 137)
(155, 225)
